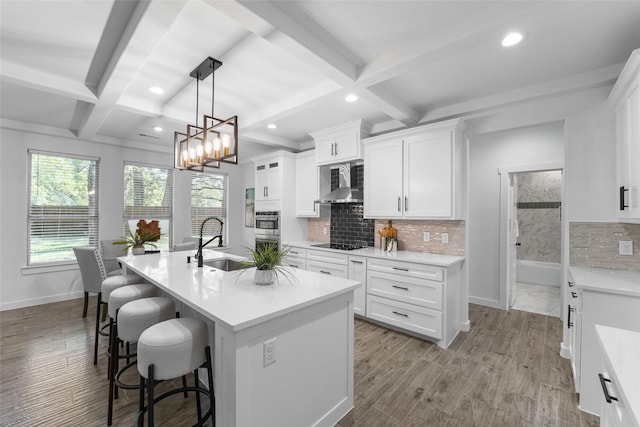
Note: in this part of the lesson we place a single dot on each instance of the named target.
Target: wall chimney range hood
(344, 193)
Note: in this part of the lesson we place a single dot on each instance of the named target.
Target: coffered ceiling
(86, 66)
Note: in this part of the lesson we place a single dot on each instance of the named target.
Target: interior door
(512, 254)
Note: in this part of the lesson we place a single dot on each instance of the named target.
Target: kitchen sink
(226, 264)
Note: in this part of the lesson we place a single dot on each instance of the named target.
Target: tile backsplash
(347, 222)
(411, 233)
(595, 244)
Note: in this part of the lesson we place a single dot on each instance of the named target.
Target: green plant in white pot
(268, 261)
(137, 241)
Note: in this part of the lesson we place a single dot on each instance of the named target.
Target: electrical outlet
(445, 237)
(426, 236)
(625, 247)
(269, 352)
(324, 230)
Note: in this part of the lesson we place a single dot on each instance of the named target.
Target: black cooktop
(341, 246)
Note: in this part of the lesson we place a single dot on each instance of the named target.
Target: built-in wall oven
(267, 228)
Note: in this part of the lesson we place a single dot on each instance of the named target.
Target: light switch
(445, 237)
(426, 236)
(625, 247)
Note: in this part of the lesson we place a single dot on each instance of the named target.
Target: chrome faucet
(201, 246)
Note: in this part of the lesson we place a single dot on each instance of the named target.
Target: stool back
(92, 268)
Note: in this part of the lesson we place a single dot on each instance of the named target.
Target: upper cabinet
(275, 176)
(415, 173)
(268, 179)
(311, 183)
(341, 143)
(625, 97)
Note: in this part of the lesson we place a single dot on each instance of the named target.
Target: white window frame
(197, 214)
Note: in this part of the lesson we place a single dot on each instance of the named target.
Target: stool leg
(113, 357)
(212, 397)
(141, 401)
(95, 348)
(184, 385)
(196, 383)
(110, 347)
(86, 305)
(150, 385)
(104, 313)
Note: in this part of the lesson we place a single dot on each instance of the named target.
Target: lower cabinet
(358, 271)
(297, 258)
(574, 324)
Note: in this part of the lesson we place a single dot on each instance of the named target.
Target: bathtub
(538, 272)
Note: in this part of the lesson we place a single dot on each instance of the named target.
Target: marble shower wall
(539, 198)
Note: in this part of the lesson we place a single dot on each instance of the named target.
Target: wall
(539, 226)
(23, 286)
(487, 153)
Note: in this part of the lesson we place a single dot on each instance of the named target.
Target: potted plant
(136, 241)
(268, 261)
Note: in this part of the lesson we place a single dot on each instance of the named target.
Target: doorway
(531, 242)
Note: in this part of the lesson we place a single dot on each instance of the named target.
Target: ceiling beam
(147, 24)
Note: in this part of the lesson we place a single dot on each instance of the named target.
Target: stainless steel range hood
(344, 193)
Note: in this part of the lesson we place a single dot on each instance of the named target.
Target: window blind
(63, 209)
(148, 195)
(208, 198)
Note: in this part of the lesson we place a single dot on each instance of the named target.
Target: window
(63, 206)
(148, 195)
(208, 198)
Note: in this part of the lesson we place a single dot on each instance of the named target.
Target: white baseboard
(39, 301)
(564, 351)
(465, 326)
(485, 301)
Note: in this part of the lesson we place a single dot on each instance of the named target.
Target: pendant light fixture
(213, 143)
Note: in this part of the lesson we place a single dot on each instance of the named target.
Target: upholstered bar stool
(132, 319)
(95, 280)
(171, 349)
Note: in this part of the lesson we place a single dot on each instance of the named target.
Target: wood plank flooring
(505, 372)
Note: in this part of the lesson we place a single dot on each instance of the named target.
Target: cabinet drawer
(425, 293)
(295, 252)
(406, 269)
(296, 262)
(421, 320)
(323, 256)
(327, 268)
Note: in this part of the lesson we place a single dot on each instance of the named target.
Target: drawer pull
(570, 283)
(325, 272)
(400, 287)
(294, 253)
(356, 262)
(603, 382)
(400, 314)
(574, 294)
(294, 266)
(401, 269)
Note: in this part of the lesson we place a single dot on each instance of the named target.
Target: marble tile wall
(595, 244)
(315, 229)
(539, 195)
(410, 236)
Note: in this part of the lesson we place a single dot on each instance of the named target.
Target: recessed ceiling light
(157, 128)
(513, 38)
(272, 126)
(351, 98)
(157, 90)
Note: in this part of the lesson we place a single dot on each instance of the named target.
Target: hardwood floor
(505, 372)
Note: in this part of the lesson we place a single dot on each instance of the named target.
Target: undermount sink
(226, 264)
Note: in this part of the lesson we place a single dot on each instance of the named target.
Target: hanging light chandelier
(213, 143)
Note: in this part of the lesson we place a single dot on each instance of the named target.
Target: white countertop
(406, 256)
(227, 298)
(604, 280)
(622, 351)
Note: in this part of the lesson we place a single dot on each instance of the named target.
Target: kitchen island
(283, 353)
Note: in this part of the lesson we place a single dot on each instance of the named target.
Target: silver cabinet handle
(332, 148)
(336, 148)
(398, 204)
(406, 203)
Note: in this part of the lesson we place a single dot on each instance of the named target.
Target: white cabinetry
(418, 298)
(625, 97)
(340, 144)
(415, 173)
(268, 179)
(330, 263)
(311, 183)
(358, 271)
(574, 323)
(297, 258)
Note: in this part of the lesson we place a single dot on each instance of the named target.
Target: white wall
(487, 153)
(21, 286)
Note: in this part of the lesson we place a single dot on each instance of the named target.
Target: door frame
(505, 254)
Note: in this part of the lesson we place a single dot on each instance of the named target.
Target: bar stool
(132, 318)
(171, 349)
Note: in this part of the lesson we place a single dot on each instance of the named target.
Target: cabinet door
(261, 181)
(306, 186)
(633, 160)
(428, 176)
(358, 271)
(339, 147)
(274, 189)
(327, 268)
(324, 151)
(383, 179)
